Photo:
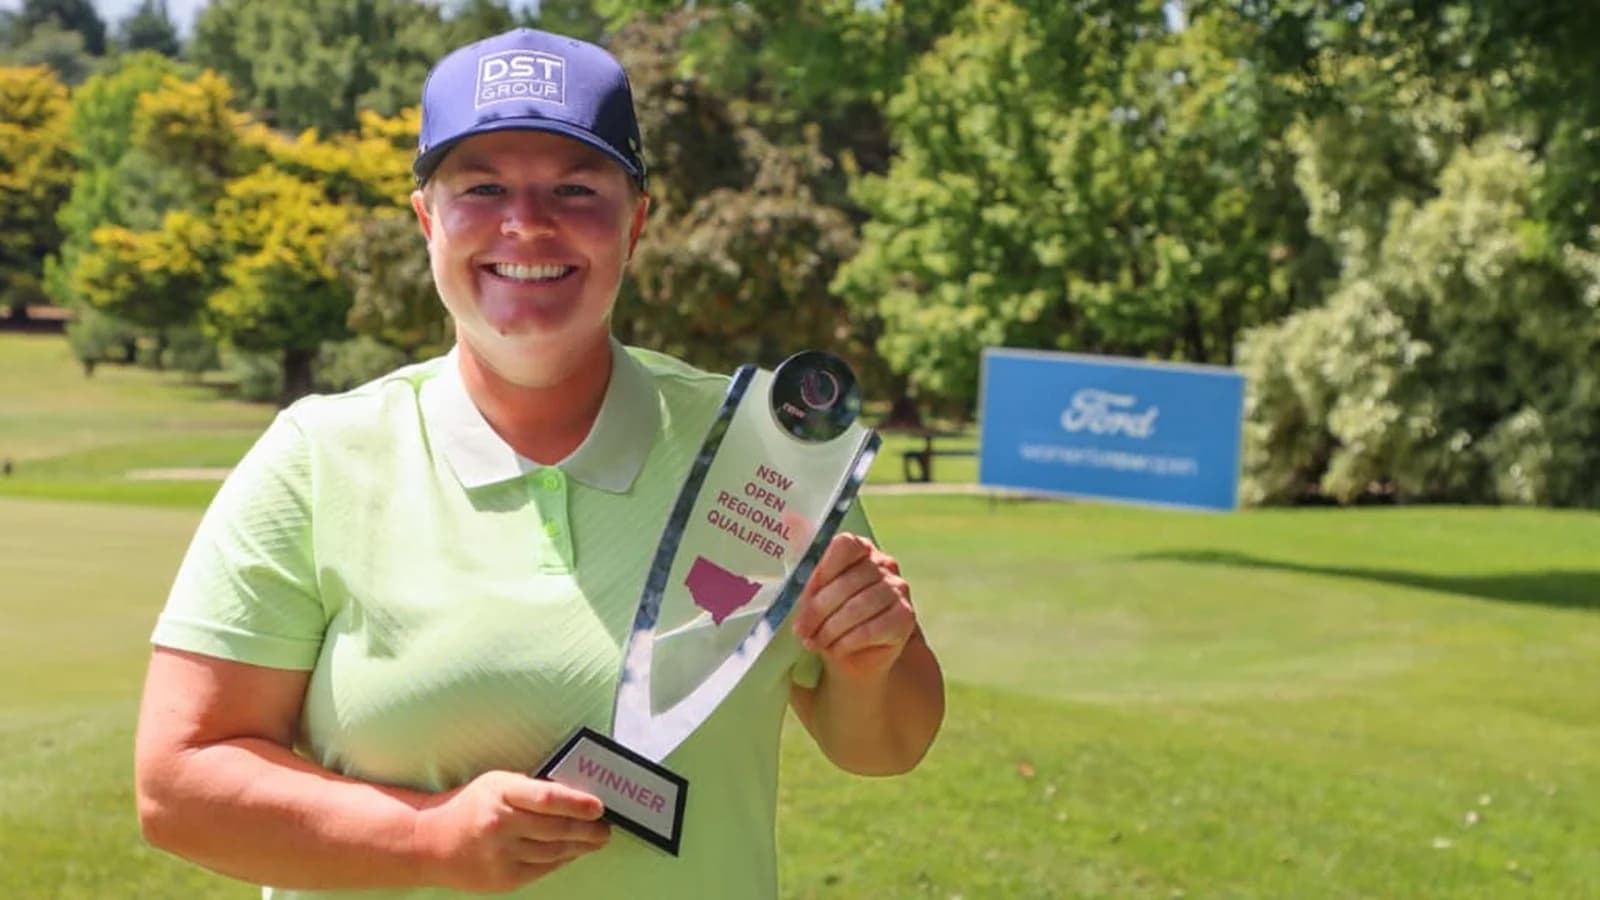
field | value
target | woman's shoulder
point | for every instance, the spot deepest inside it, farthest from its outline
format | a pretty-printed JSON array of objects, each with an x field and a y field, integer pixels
[
  {"x": 681, "y": 385},
  {"x": 385, "y": 402},
  {"x": 670, "y": 370}
]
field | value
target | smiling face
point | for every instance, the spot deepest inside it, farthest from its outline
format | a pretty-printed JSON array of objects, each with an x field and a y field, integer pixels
[{"x": 528, "y": 234}]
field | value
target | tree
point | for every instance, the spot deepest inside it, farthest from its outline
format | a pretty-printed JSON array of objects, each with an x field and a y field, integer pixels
[
  {"x": 381, "y": 259},
  {"x": 280, "y": 293},
  {"x": 108, "y": 187},
  {"x": 155, "y": 268},
  {"x": 150, "y": 27},
  {"x": 312, "y": 64},
  {"x": 581, "y": 19},
  {"x": 69, "y": 15},
  {"x": 827, "y": 68},
  {"x": 137, "y": 258},
  {"x": 370, "y": 167},
  {"x": 189, "y": 124},
  {"x": 1097, "y": 183},
  {"x": 384, "y": 261},
  {"x": 735, "y": 262},
  {"x": 156, "y": 280},
  {"x": 472, "y": 20},
  {"x": 150, "y": 143},
  {"x": 813, "y": 76},
  {"x": 1439, "y": 152},
  {"x": 1527, "y": 67},
  {"x": 821, "y": 62},
  {"x": 1458, "y": 366},
  {"x": 355, "y": 264},
  {"x": 189, "y": 216},
  {"x": 35, "y": 178},
  {"x": 51, "y": 45}
]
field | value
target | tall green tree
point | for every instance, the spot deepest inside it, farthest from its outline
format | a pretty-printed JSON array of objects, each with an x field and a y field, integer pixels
[
  {"x": 280, "y": 293},
  {"x": 813, "y": 75},
  {"x": 314, "y": 64},
  {"x": 736, "y": 259},
  {"x": 828, "y": 67},
  {"x": 35, "y": 179},
  {"x": 155, "y": 280},
  {"x": 150, "y": 27},
  {"x": 819, "y": 61},
  {"x": 1079, "y": 178},
  {"x": 69, "y": 15},
  {"x": 1530, "y": 67},
  {"x": 1440, "y": 152},
  {"x": 113, "y": 184},
  {"x": 158, "y": 274},
  {"x": 49, "y": 45}
]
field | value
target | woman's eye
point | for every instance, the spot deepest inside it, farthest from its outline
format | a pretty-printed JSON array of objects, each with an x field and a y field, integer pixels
[
  {"x": 574, "y": 190},
  {"x": 485, "y": 190}
]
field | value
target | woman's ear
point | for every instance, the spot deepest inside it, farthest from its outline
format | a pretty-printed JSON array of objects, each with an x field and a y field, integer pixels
[
  {"x": 640, "y": 212},
  {"x": 419, "y": 204}
]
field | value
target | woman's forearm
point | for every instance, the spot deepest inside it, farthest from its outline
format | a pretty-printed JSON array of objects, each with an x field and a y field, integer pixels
[
  {"x": 254, "y": 810},
  {"x": 878, "y": 727}
]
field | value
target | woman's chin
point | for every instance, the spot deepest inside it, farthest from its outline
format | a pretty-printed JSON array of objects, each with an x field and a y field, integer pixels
[
  {"x": 524, "y": 333},
  {"x": 523, "y": 321}
]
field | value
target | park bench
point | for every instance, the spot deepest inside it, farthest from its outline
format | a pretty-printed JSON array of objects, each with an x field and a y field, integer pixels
[{"x": 918, "y": 462}]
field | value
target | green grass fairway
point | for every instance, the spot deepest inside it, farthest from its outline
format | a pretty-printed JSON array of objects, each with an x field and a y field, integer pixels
[
  {"x": 78, "y": 585},
  {"x": 78, "y": 438},
  {"x": 1387, "y": 703},
  {"x": 1375, "y": 703}
]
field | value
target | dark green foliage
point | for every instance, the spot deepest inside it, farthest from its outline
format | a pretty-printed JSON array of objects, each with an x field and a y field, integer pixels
[
  {"x": 1080, "y": 180},
  {"x": 384, "y": 260},
  {"x": 315, "y": 63},
  {"x": 1442, "y": 153},
  {"x": 76, "y": 16},
  {"x": 736, "y": 259},
  {"x": 149, "y": 27}
]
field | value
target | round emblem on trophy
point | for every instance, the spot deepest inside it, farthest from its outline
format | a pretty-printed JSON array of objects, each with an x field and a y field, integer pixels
[{"x": 815, "y": 396}]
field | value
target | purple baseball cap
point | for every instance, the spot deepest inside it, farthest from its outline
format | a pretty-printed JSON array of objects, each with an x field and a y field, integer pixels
[{"x": 535, "y": 81}]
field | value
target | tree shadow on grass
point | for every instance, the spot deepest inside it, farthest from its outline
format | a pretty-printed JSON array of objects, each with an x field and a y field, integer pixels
[{"x": 1563, "y": 589}]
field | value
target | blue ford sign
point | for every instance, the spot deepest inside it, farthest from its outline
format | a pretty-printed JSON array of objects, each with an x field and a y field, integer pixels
[{"x": 1060, "y": 423}]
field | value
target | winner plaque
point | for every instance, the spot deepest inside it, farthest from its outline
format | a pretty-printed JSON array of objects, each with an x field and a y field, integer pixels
[{"x": 780, "y": 466}]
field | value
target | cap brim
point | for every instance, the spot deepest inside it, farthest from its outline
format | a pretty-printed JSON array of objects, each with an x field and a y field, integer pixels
[{"x": 425, "y": 163}]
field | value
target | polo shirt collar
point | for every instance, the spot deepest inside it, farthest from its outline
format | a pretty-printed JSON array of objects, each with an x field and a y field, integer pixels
[{"x": 610, "y": 457}]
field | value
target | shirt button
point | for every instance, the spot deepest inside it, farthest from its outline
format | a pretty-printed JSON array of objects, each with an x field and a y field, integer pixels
[
  {"x": 552, "y": 529},
  {"x": 550, "y": 480}
]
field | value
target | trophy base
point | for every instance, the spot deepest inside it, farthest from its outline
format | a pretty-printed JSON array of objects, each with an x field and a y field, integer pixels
[{"x": 640, "y": 796}]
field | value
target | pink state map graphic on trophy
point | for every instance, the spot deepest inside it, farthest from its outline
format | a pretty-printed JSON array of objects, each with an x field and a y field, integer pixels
[{"x": 718, "y": 591}]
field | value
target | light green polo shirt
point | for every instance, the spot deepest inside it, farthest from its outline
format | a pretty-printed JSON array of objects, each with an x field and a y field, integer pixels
[{"x": 463, "y": 609}]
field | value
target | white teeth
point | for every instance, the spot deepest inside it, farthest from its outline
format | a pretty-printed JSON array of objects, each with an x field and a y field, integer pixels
[{"x": 529, "y": 273}]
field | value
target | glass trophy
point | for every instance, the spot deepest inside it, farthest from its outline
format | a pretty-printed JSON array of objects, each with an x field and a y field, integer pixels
[{"x": 780, "y": 466}]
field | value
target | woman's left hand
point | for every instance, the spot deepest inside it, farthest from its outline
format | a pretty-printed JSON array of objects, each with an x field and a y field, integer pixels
[{"x": 856, "y": 612}]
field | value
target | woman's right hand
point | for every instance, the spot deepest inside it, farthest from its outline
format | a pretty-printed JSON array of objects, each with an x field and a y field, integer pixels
[{"x": 504, "y": 829}]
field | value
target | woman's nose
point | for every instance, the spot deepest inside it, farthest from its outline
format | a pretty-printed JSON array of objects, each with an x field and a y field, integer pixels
[{"x": 528, "y": 215}]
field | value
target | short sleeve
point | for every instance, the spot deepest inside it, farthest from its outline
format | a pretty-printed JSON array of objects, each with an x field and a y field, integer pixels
[
  {"x": 807, "y": 670},
  {"x": 246, "y": 589}
]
